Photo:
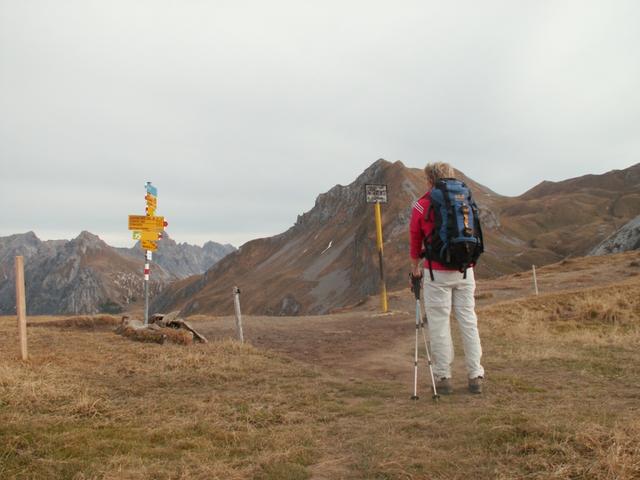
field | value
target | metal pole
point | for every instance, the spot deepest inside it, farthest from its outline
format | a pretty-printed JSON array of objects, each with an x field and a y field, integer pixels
[
  {"x": 147, "y": 260},
  {"x": 423, "y": 325},
  {"x": 535, "y": 280},
  {"x": 236, "y": 304},
  {"x": 415, "y": 357},
  {"x": 380, "y": 245},
  {"x": 21, "y": 307},
  {"x": 416, "y": 287}
]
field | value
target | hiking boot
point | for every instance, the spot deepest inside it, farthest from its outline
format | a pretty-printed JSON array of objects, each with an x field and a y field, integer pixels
[
  {"x": 443, "y": 386},
  {"x": 475, "y": 385}
]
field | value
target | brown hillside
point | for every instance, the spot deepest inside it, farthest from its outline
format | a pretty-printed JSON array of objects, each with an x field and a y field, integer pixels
[
  {"x": 569, "y": 218},
  {"x": 328, "y": 259}
]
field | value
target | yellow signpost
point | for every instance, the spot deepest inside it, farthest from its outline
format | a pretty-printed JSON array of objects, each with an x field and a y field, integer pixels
[
  {"x": 377, "y": 194},
  {"x": 380, "y": 244},
  {"x": 142, "y": 223},
  {"x": 152, "y": 236},
  {"x": 148, "y": 229},
  {"x": 149, "y": 245}
]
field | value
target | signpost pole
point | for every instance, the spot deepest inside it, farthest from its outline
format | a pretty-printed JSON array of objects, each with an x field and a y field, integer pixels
[
  {"x": 383, "y": 286},
  {"x": 147, "y": 259},
  {"x": 148, "y": 229},
  {"x": 377, "y": 194}
]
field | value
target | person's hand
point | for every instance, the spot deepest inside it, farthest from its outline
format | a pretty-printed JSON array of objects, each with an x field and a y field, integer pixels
[{"x": 417, "y": 271}]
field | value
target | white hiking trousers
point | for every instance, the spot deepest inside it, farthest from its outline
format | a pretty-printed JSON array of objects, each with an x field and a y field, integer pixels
[{"x": 450, "y": 288}]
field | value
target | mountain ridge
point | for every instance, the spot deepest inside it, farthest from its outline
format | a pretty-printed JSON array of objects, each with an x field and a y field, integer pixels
[
  {"x": 328, "y": 259},
  {"x": 79, "y": 276}
]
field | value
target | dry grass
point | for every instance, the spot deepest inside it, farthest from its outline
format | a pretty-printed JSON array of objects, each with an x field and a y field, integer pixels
[
  {"x": 561, "y": 402},
  {"x": 160, "y": 335},
  {"x": 83, "y": 321}
]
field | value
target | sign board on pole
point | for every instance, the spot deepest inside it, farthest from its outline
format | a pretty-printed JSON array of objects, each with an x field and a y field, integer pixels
[
  {"x": 375, "y": 193},
  {"x": 149, "y": 245},
  {"x": 151, "y": 189},
  {"x": 152, "y": 202},
  {"x": 144, "y": 223},
  {"x": 149, "y": 236}
]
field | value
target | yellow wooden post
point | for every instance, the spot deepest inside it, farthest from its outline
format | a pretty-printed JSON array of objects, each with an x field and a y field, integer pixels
[
  {"x": 380, "y": 244},
  {"x": 21, "y": 307}
]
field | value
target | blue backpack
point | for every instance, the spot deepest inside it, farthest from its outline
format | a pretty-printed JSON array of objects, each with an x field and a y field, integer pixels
[{"x": 456, "y": 240}]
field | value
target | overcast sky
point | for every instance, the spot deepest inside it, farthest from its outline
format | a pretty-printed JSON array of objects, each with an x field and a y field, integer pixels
[{"x": 241, "y": 113}]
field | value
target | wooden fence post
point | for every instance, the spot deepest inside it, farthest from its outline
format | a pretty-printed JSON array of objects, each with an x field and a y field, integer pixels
[{"x": 21, "y": 307}]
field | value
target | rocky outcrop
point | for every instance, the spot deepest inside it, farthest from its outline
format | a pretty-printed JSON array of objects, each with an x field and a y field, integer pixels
[
  {"x": 182, "y": 259},
  {"x": 625, "y": 239}
]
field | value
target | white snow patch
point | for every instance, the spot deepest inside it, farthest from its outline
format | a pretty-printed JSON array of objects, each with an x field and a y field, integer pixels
[{"x": 328, "y": 247}]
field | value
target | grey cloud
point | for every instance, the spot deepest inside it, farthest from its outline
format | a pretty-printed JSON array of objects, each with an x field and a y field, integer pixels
[{"x": 242, "y": 112}]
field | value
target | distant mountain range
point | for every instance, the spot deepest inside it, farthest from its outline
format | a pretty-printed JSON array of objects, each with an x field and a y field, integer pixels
[
  {"x": 182, "y": 259},
  {"x": 85, "y": 275},
  {"x": 328, "y": 259}
]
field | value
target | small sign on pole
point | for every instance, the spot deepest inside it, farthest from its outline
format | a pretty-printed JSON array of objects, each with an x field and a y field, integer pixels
[
  {"x": 21, "y": 306},
  {"x": 377, "y": 194}
]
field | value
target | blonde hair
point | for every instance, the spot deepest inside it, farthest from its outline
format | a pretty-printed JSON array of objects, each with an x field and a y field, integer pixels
[{"x": 436, "y": 171}]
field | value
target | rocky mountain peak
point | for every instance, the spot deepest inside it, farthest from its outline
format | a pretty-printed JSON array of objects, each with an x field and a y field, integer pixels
[
  {"x": 25, "y": 244},
  {"x": 344, "y": 200},
  {"x": 28, "y": 238},
  {"x": 85, "y": 242},
  {"x": 183, "y": 259}
]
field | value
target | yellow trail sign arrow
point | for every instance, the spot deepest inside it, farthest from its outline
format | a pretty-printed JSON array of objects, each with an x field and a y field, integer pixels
[
  {"x": 149, "y": 245},
  {"x": 152, "y": 202},
  {"x": 142, "y": 223},
  {"x": 151, "y": 236}
]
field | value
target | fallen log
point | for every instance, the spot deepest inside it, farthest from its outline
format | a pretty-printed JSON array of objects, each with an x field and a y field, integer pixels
[
  {"x": 172, "y": 320},
  {"x": 153, "y": 333}
]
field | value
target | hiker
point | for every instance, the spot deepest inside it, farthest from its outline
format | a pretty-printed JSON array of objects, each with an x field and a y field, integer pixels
[{"x": 445, "y": 284}]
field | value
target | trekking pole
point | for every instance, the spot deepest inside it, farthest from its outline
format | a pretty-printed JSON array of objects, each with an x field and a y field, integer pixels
[
  {"x": 435, "y": 395},
  {"x": 415, "y": 357},
  {"x": 421, "y": 321}
]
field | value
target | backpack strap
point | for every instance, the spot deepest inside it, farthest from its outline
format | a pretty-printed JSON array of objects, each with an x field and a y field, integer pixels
[
  {"x": 427, "y": 255},
  {"x": 427, "y": 241},
  {"x": 476, "y": 214}
]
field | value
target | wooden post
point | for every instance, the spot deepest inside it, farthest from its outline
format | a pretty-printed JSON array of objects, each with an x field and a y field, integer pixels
[
  {"x": 21, "y": 307},
  {"x": 380, "y": 244},
  {"x": 535, "y": 280},
  {"x": 236, "y": 303}
]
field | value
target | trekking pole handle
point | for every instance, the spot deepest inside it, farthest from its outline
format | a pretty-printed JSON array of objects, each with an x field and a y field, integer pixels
[{"x": 416, "y": 285}]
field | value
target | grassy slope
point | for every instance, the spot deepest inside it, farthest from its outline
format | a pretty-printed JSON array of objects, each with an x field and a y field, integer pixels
[{"x": 561, "y": 402}]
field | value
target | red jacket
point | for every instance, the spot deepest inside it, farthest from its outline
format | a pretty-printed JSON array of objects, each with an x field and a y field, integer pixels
[{"x": 420, "y": 227}]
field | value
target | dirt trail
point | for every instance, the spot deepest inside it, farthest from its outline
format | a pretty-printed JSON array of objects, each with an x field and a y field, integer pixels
[
  {"x": 343, "y": 342},
  {"x": 365, "y": 343}
]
